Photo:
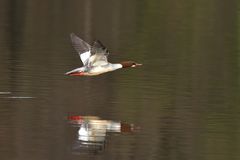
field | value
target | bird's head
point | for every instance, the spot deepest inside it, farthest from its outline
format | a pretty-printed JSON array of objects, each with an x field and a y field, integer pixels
[{"x": 126, "y": 64}]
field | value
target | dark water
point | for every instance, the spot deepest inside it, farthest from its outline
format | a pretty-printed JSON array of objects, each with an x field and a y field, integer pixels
[{"x": 184, "y": 100}]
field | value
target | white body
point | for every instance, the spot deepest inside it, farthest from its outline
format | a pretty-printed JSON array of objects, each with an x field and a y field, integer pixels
[
  {"x": 97, "y": 66},
  {"x": 103, "y": 69}
]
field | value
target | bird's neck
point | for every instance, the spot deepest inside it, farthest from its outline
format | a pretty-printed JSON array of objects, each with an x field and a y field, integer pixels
[{"x": 116, "y": 66}]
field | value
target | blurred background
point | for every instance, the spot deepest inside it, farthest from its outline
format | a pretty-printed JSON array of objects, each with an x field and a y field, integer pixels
[{"x": 184, "y": 99}]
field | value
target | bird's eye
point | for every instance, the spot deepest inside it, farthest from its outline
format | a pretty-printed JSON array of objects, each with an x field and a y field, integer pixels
[{"x": 133, "y": 64}]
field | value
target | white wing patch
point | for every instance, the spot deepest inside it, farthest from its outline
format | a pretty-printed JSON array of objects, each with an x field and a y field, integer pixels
[{"x": 85, "y": 56}]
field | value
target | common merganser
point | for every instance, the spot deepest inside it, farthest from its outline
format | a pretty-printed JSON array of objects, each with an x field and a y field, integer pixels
[
  {"x": 94, "y": 59},
  {"x": 96, "y": 123}
]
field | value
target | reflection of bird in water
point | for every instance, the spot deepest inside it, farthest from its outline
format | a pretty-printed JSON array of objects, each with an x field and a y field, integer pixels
[
  {"x": 94, "y": 59},
  {"x": 92, "y": 130},
  {"x": 94, "y": 122}
]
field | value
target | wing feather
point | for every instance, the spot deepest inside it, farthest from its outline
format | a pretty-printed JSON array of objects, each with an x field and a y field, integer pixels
[
  {"x": 95, "y": 55},
  {"x": 99, "y": 48},
  {"x": 82, "y": 47},
  {"x": 99, "y": 54}
]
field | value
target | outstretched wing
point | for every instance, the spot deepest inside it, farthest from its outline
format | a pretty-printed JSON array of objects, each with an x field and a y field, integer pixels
[
  {"x": 82, "y": 47},
  {"x": 99, "y": 54}
]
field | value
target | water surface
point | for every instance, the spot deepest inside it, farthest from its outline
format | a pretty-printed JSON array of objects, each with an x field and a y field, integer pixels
[{"x": 184, "y": 99}]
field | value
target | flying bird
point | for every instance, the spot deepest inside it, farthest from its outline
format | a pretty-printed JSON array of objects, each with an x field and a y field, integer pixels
[{"x": 94, "y": 59}]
